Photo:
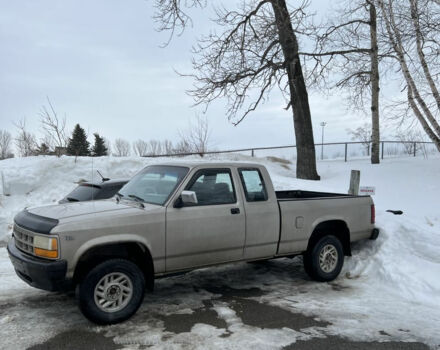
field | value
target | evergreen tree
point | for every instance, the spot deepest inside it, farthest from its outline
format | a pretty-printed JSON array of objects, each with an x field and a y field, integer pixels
[
  {"x": 43, "y": 149},
  {"x": 99, "y": 149},
  {"x": 78, "y": 144}
]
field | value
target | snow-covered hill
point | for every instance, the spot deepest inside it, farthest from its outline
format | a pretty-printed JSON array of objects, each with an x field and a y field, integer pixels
[{"x": 389, "y": 289}]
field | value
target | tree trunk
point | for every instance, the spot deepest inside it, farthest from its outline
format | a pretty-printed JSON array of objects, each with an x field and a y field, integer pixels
[
  {"x": 375, "y": 132},
  {"x": 434, "y": 138},
  {"x": 419, "y": 43},
  {"x": 299, "y": 101},
  {"x": 396, "y": 42}
]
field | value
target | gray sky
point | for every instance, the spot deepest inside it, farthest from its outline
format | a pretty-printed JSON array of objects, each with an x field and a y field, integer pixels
[{"x": 101, "y": 64}]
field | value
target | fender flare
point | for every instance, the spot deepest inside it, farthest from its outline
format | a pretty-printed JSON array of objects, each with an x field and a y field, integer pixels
[{"x": 108, "y": 239}]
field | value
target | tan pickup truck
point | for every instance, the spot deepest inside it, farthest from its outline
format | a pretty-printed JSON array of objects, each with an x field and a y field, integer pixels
[{"x": 175, "y": 217}]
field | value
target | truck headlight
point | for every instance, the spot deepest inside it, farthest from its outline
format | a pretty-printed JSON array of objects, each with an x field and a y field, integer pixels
[{"x": 46, "y": 247}]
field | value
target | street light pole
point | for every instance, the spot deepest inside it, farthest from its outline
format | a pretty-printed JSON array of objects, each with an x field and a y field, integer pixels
[{"x": 323, "y": 124}]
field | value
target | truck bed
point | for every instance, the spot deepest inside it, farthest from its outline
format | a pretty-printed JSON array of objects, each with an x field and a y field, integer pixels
[
  {"x": 302, "y": 211},
  {"x": 292, "y": 195}
]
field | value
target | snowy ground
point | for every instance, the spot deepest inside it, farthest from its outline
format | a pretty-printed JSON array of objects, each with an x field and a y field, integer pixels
[{"x": 388, "y": 291}]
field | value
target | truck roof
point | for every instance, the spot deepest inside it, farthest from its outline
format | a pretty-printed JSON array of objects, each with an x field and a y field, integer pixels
[{"x": 195, "y": 163}]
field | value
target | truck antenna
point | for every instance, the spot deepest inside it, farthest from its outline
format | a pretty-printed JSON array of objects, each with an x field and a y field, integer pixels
[{"x": 104, "y": 179}]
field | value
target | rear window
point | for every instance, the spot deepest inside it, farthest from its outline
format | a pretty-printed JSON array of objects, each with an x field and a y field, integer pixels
[
  {"x": 108, "y": 192},
  {"x": 84, "y": 193},
  {"x": 253, "y": 184}
]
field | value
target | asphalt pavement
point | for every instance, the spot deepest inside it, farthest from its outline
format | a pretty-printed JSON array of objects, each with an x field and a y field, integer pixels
[{"x": 251, "y": 312}]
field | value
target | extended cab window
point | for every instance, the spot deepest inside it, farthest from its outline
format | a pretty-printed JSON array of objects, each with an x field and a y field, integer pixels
[
  {"x": 253, "y": 185},
  {"x": 213, "y": 186}
]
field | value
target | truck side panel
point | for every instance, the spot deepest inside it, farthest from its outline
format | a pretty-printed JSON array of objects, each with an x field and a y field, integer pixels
[
  {"x": 300, "y": 217},
  {"x": 262, "y": 220}
]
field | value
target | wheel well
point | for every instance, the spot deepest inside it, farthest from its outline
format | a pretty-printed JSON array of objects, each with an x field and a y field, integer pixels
[
  {"x": 337, "y": 228},
  {"x": 132, "y": 251}
]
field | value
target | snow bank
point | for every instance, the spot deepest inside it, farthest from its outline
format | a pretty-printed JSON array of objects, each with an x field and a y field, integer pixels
[
  {"x": 44, "y": 180},
  {"x": 388, "y": 290}
]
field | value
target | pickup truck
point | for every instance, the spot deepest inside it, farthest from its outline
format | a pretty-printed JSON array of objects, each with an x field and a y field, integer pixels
[{"x": 175, "y": 217}]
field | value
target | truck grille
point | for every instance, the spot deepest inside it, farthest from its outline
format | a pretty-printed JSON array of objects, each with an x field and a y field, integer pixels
[{"x": 24, "y": 239}]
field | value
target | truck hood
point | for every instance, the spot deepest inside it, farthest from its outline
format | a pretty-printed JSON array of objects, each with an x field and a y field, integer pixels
[
  {"x": 67, "y": 210},
  {"x": 43, "y": 219}
]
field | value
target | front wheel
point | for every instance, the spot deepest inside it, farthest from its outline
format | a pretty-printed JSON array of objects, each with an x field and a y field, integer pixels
[
  {"x": 112, "y": 291},
  {"x": 323, "y": 262}
]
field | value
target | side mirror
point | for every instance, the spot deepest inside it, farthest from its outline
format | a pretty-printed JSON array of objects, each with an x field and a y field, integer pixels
[{"x": 189, "y": 197}]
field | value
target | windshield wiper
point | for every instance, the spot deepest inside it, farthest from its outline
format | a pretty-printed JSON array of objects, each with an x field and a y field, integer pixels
[
  {"x": 138, "y": 199},
  {"x": 119, "y": 196},
  {"x": 70, "y": 199}
]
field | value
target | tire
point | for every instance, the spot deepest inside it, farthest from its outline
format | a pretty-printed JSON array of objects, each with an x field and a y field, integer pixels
[
  {"x": 111, "y": 292},
  {"x": 323, "y": 262}
]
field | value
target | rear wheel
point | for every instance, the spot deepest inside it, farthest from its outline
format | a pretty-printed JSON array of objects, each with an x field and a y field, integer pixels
[
  {"x": 323, "y": 262},
  {"x": 112, "y": 291}
]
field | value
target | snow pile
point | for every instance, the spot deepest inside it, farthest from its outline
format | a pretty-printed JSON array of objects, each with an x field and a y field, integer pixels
[
  {"x": 388, "y": 290},
  {"x": 42, "y": 180}
]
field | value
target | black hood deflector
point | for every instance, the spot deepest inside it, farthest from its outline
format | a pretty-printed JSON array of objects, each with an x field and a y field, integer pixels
[{"x": 35, "y": 223}]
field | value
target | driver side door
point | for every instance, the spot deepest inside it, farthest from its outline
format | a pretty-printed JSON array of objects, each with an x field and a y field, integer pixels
[{"x": 211, "y": 231}]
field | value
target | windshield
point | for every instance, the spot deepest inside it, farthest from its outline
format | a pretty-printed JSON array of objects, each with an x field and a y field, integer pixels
[{"x": 154, "y": 184}]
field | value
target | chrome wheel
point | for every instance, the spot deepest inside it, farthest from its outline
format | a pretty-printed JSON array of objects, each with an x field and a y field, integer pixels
[
  {"x": 113, "y": 292},
  {"x": 328, "y": 258}
]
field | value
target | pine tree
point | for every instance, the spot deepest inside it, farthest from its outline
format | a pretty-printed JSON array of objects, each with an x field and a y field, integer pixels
[
  {"x": 78, "y": 144},
  {"x": 99, "y": 149},
  {"x": 43, "y": 149}
]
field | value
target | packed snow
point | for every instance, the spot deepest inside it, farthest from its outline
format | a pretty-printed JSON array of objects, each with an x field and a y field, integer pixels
[{"x": 388, "y": 290}]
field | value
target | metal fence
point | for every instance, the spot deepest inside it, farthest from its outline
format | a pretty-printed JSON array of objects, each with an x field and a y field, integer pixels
[{"x": 330, "y": 150}]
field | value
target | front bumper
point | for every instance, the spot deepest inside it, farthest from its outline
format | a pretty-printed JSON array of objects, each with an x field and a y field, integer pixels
[{"x": 39, "y": 273}]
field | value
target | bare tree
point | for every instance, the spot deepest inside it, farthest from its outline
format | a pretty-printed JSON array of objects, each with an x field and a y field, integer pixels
[
  {"x": 182, "y": 146},
  {"x": 413, "y": 34},
  {"x": 256, "y": 51},
  {"x": 171, "y": 15},
  {"x": 25, "y": 141},
  {"x": 121, "y": 148},
  {"x": 410, "y": 139},
  {"x": 154, "y": 148},
  {"x": 5, "y": 144},
  {"x": 196, "y": 138},
  {"x": 54, "y": 128},
  {"x": 140, "y": 148},
  {"x": 348, "y": 48},
  {"x": 363, "y": 135},
  {"x": 167, "y": 147}
]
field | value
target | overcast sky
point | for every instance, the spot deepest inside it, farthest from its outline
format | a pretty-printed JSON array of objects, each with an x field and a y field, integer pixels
[{"x": 101, "y": 64}]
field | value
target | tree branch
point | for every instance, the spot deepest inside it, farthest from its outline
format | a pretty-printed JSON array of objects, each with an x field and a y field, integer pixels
[{"x": 336, "y": 52}]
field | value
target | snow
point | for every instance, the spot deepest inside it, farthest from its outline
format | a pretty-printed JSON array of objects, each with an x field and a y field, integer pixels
[{"x": 388, "y": 290}]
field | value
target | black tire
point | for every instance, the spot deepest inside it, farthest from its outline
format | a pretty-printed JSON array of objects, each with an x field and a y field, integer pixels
[
  {"x": 312, "y": 264},
  {"x": 86, "y": 291}
]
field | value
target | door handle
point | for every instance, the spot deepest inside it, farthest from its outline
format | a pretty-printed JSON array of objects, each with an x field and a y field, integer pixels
[{"x": 235, "y": 211}]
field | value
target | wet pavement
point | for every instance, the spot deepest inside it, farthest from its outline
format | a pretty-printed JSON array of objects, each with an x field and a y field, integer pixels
[{"x": 252, "y": 313}]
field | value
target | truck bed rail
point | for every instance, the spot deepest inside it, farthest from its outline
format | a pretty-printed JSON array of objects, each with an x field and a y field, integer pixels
[{"x": 300, "y": 195}]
